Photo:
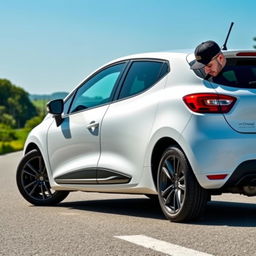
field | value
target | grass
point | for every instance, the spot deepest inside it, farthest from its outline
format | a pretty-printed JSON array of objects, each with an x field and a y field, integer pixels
[{"x": 14, "y": 145}]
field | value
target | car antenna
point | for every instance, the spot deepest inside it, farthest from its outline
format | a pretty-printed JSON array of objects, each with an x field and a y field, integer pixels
[{"x": 224, "y": 47}]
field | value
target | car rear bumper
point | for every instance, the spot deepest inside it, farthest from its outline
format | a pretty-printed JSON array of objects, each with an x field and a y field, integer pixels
[{"x": 213, "y": 148}]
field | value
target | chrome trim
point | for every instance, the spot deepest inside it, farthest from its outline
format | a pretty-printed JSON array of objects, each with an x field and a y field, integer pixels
[
  {"x": 104, "y": 176},
  {"x": 76, "y": 181},
  {"x": 113, "y": 180}
]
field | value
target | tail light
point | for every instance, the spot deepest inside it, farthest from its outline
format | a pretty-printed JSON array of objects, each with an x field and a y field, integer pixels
[
  {"x": 209, "y": 102},
  {"x": 217, "y": 177},
  {"x": 246, "y": 54}
]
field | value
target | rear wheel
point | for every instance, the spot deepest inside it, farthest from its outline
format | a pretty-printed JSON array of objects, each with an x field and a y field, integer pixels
[
  {"x": 181, "y": 197},
  {"x": 33, "y": 182}
]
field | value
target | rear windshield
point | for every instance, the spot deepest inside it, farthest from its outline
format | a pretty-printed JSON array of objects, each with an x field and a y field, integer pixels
[{"x": 238, "y": 72}]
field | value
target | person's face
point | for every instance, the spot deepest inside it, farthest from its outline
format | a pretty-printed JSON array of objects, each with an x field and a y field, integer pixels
[{"x": 214, "y": 67}]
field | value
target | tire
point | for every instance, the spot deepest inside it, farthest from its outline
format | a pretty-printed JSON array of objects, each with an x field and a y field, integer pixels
[
  {"x": 180, "y": 196},
  {"x": 33, "y": 182}
]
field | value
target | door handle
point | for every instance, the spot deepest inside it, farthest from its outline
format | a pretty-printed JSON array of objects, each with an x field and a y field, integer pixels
[{"x": 93, "y": 125}]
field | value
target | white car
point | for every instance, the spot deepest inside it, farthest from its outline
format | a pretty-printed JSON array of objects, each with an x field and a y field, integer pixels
[{"x": 148, "y": 124}]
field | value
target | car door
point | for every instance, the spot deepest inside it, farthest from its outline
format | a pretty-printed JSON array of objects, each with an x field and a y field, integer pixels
[
  {"x": 128, "y": 122},
  {"x": 74, "y": 146}
]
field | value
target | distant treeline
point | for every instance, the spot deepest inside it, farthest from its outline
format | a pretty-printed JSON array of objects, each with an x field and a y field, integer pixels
[
  {"x": 15, "y": 105},
  {"x": 53, "y": 96}
]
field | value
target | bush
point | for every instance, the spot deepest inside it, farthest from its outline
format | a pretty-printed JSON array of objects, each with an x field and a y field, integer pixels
[
  {"x": 6, "y": 148},
  {"x": 13, "y": 145},
  {"x": 16, "y": 145},
  {"x": 30, "y": 124},
  {"x": 21, "y": 134},
  {"x": 6, "y": 133}
]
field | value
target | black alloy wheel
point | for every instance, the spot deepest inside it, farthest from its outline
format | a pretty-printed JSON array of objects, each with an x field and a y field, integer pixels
[
  {"x": 33, "y": 182},
  {"x": 180, "y": 196}
]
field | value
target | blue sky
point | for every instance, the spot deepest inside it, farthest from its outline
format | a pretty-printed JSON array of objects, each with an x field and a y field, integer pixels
[{"x": 51, "y": 45}]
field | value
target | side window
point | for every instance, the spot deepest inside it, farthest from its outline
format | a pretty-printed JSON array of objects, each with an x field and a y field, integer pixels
[
  {"x": 141, "y": 76},
  {"x": 97, "y": 90}
]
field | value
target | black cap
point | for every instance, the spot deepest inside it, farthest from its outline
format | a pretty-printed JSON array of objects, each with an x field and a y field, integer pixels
[{"x": 204, "y": 53}]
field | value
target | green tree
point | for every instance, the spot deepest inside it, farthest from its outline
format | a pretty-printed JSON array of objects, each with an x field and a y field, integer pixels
[
  {"x": 6, "y": 119},
  {"x": 16, "y": 102},
  {"x": 254, "y": 40}
]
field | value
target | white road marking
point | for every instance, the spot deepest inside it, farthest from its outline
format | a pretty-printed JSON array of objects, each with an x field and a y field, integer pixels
[{"x": 162, "y": 246}]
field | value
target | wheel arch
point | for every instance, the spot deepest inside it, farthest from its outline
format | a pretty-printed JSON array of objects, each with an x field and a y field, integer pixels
[
  {"x": 157, "y": 152},
  {"x": 31, "y": 146},
  {"x": 158, "y": 149},
  {"x": 35, "y": 144}
]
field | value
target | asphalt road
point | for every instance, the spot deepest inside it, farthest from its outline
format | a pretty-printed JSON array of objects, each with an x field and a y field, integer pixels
[{"x": 88, "y": 223}]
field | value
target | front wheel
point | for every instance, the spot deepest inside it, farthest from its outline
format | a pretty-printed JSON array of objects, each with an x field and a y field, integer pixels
[
  {"x": 33, "y": 182},
  {"x": 180, "y": 196}
]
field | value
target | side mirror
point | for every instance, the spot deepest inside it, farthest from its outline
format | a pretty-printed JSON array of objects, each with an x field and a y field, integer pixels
[{"x": 56, "y": 107}]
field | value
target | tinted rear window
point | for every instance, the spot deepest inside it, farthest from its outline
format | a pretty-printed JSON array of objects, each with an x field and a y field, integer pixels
[
  {"x": 238, "y": 72},
  {"x": 142, "y": 75}
]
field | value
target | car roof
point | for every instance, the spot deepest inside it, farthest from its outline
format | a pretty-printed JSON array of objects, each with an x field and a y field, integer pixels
[
  {"x": 155, "y": 55},
  {"x": 179, "y": 53}
]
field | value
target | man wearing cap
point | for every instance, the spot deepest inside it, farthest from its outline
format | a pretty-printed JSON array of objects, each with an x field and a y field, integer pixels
[{"x": 209, "y": 57}]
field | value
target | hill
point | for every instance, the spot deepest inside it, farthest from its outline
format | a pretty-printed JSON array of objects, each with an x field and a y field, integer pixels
[{"x": 48, "y": 97}]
